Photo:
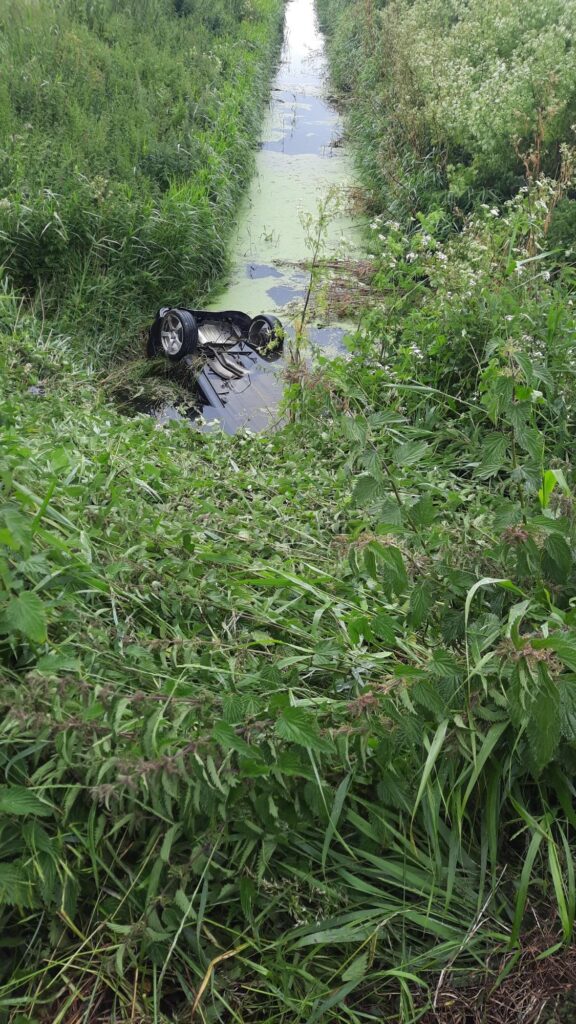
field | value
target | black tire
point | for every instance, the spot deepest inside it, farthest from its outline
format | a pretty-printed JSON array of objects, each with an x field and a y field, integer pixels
[
  {"x": 174, "y": 334},
  {"x": 153, "y": 347},
  {"x": 266, "y": 332}
]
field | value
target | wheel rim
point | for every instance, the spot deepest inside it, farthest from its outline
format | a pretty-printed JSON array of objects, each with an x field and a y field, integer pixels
[{"x": 171, "y": 334}]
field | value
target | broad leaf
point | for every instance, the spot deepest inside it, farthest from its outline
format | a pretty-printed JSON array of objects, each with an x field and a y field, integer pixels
[
  {"x": 21, "y": 801},
  {"x": 26, "y": 614},
  {"x": 300, "y": 727},
  {"x": 493, "y": 456}
]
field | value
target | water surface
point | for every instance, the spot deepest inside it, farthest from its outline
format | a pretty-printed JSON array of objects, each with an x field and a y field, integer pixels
[{"x": 299, "y": 164}]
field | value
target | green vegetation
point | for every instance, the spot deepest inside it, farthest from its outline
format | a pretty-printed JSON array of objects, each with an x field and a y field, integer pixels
[
  {"x": 454, "y": 98},
  {"x": 127, "y": 130},
  {"x": 288, "y": 726}
]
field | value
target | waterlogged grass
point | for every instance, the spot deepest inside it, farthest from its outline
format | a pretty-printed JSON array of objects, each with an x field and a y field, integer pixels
[{"x": 127, "y": 135}]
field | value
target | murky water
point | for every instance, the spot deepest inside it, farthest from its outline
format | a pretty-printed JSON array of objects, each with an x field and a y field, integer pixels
[{"x": 300, "y": 163}]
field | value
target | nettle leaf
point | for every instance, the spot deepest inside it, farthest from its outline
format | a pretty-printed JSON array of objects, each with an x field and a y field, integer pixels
[
  {"x": 15, "y": 887},
  {"x": 567, "y": 693},
  {"x": 294, "y": 763},
  {"x": 367, "y": 489},
  {"x": 354, "y": 428},
  {"x": 358, "y": 628},
  {"x": 389, "y": 514},
  {"x": 423, "y": 512},
  {"x": 183, "y": 903},
  {"x": 384, "y": 627},
  {"x": 499, "y": 397},
  {"x": 369, "y": 559},
  {"x": 484, "y": 631},
  {"x": 54, "y": 663},
  {"x": 557, "y": 553},
  {"x": 18, "y": 800},
  {"x": 421, "y": 603},
  {"x": 427, "y": 694},
  {"x": 392, "y": 564},
  {"x": 526, "y": 365},
  {"x": 444, "y": 664},
  {"x": 251, "y": 768},
  {"x": 26, "y": 614},
  {"x": 410, "y": 453},
  {"x": 544, "y": 725},
  {"x": 357, "y": 969},
  {"x": 225, "y": 735},
  {"x": 494, "y": 454},
  {"x": 370, "y": 463},
  {"x": 234, "y": 708},
  {"x": 299, "y": 726},
  {"x": 532, "y": 441},
  {"x": 17, "y": 528}
]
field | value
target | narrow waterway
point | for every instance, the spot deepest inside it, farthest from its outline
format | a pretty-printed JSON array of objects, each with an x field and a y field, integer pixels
[{"x": 300, "y": 165}]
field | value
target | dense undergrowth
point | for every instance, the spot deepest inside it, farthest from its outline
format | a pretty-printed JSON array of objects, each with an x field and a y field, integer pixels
[
  {"x": 452, "y": 102},
  {"x": 288, "y": 723},
  {"x": 127, "y": 132}
]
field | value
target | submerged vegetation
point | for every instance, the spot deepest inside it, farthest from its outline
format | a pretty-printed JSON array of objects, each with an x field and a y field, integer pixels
[{"x": 289, "y": 721}]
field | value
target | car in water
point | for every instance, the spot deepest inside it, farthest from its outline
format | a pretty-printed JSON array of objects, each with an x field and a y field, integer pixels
[{"x": 214, "y": 339}]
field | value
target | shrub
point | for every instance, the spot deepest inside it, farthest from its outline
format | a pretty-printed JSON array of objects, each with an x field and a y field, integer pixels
[{"x": 454, "y": 100}]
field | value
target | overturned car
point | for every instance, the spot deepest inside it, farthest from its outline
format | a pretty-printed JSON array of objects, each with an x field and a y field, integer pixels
[
  {"x": 215, "y": 338},
  {"x": 231, "y": 356}
]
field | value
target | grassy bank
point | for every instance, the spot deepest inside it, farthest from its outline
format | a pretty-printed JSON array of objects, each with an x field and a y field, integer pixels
[
  {"x": 127, "y": 135},
  {"x": 289, "y": 722}
]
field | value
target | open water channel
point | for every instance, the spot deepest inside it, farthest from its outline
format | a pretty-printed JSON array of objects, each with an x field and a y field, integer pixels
[{"x": 300, "y": 163}]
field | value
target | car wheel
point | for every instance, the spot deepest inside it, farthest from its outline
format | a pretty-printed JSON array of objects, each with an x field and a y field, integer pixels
[
  {"x": 266, "y": 332},
  {"x": 174, "y": 335}
]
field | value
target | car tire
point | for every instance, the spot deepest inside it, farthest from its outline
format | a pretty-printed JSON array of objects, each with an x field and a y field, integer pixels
[
  {"x": 174, "y": 335},
  {"x": 265, "y": 332}
]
